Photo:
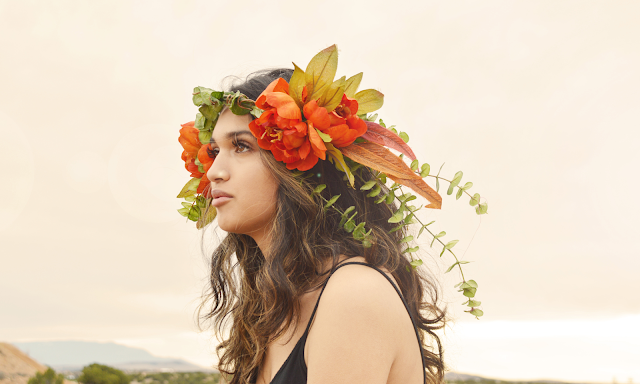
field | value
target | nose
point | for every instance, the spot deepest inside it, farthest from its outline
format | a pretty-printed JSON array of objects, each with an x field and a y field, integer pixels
[{"x": 218, "y": 171}]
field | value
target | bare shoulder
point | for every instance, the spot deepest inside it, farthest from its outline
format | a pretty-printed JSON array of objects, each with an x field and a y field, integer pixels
[{"x": 355, "y": 329}]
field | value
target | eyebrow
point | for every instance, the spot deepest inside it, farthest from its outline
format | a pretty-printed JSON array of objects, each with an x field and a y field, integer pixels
[{"x": 233, "y": 134}]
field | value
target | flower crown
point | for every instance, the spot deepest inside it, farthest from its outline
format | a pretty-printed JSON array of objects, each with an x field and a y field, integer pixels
[{"x": 312, "y": 118}]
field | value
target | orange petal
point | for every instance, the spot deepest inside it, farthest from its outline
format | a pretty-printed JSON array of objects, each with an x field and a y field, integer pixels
[
  {"x": 317, "y": 115},
  {"x": 285, "y": 105},
  {"x": 304, "y": 149},
  {"x": 304, "y": 164},
  {"x": 383, "y": 136},
  {"x": 377, "y": 157},
  {"x": 423, "y": 189},
  {"x": 316, "y": 143}
]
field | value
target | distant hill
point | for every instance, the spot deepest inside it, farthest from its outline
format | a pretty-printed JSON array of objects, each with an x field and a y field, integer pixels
[{"x": 73, "y": 355}]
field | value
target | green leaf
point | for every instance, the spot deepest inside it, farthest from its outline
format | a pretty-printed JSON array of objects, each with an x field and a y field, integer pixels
[
  {"x": 359, "y": 232},
  {"x": 349, "y": 226},
  {"x": 404, "y": 137},
  {"x": 415, "y": 263},
  {"x": 397, "y": 217},
  {"x": 459, "y": 284},
  {"x": 467, "y": 185},
  {"x": 476, "y": 312},
  {"x": 437, "y": 184},
  {"x": 439, "y": 235},
  {"x": 424, "y": 227},
  {"x": 473, "y": 303},
  {"x": 199, "y": 123},
  {"x": 332, "y": 200},
  {"x": 411, "y": 250},
  {"x": 475, "y": 200},
  {"x": 184, "y": 211},
  {"x": 381, "y": 199},
  {"x": 190, "y": 188},
  {"x": 469, "y": 292},
  {"x": 406, "y": 239},
  {"x": 425, "y": 170},
  {"x": 472, "y": 283},
  {"x": 454, "y": 182},
  {"x": 409, "y": 219},
  {"x": 326, "y": 138},
  {"x": 390, "y": 196},
  {"x": 319, "y": 188},
  {"x": 190, "y": 199},
  {"x": 204, "y": 137},
  {"x": 459, "y": 193},
  {"x": 375, "y": 192},
  {"x": 451, "y": 244},
  {"x": 481, "y": 209},
  {"x": 368, "y": 185},
  {"x": 442, "y": 252},
  {"x": 414, "y": 165},
  {"x": 451, "y": 267},
  {"x": 397, "y": 228}
]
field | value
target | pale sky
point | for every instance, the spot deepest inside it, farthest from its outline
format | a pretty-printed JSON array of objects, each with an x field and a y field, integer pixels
[{"x": 538, "y": 102}]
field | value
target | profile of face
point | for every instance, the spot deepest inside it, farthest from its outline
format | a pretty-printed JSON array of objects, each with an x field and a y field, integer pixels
[{"x": 243, "y": 188}]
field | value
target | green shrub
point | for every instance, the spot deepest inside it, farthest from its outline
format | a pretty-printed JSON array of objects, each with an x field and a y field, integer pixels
[
  {"x": 102, "y": 374},
  {"x": 48, "y": 377}
]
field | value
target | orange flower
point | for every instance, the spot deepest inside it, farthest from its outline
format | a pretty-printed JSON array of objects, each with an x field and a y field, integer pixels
[
  {"x": 191, "y": 145},
  {"x": 280, "y": 128},
  {"x": 207, "y": 161},
  {"x": 346, "y": 126}
]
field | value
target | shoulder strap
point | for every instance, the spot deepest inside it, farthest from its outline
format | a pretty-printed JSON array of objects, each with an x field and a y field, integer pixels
[{"x": 415, "y": 328}]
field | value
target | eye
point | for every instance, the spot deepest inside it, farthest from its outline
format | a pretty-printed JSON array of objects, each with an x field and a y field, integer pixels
[
  {"x": 241, "y": 146},
  {"x": 212, "y": 152}
]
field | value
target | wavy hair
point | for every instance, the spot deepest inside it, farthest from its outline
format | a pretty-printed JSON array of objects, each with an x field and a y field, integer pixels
[{"x": 255, "y": 299}]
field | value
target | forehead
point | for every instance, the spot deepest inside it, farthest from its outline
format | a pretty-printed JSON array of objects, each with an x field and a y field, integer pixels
[{"x": 229, "y": 123}]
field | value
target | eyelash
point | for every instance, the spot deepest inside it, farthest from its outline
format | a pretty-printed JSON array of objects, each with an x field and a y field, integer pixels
[{"x": 236, "y": 143}]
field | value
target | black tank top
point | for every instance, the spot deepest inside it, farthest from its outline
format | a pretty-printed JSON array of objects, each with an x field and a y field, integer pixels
[{"x": 294, "y": 369}]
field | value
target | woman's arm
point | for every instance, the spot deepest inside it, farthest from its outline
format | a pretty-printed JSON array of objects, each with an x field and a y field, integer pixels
[{"x": 359, "y": 329}]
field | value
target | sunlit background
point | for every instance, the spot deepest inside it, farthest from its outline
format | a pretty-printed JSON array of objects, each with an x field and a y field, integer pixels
[{"x": 538, "y": 102}]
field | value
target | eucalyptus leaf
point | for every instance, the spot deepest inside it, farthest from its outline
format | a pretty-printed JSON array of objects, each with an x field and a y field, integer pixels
[
  {"x": 475, "y": 200},
  {"x": 414, "y": 165},
  {"x": 469, "y": 292},
  {"x": 332, "y": 200},
  {"x": 425, "y": 170},
  {"x": 467, "y": 185},
  {"x": 368, "y": 185},
  {"x": 473, "y": 303},
  {"x": 459, "y": 193},
  {"x": 451, "y": 267},
  {"x": 319, "y": 188},
  {"x": 411, "y": 250},
  {"x": 375, "y": 191},
  {"x": 454, "y": 182},
  {"x": 451, "y": 244},
  {"x": 476, "y": 312},
  {"x": 397, "y": 217},
  {"x": 481, "y": 209},
  {"x": 404, "y": 136},
  {"x": 415, "y": 263},
  {"x": 406, "y": 239}
]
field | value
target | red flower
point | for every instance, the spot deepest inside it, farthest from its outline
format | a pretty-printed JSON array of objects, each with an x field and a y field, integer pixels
[{"x": 191, "y": 145}]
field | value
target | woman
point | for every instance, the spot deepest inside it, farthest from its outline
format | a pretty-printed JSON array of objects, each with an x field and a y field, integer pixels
[{"x": 307, "y": 298}]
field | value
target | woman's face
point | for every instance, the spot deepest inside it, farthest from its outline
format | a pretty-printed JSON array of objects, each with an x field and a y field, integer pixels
[{"x": 243, "y": 188}]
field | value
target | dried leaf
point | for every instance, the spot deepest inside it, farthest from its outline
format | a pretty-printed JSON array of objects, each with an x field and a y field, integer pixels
[
  {"x": 377, "y": 157},
  {"x": 421, "y": 188},
  {"x": 380, "y": 135}
]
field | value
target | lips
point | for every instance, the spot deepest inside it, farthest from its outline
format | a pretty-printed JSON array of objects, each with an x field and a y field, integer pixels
[
  {"x": 218, "y": 193},
  {"x": 219, "y": 197}
]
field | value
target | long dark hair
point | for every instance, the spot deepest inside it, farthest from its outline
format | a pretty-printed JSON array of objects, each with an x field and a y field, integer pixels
[{"x": 258, "y": 296}]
